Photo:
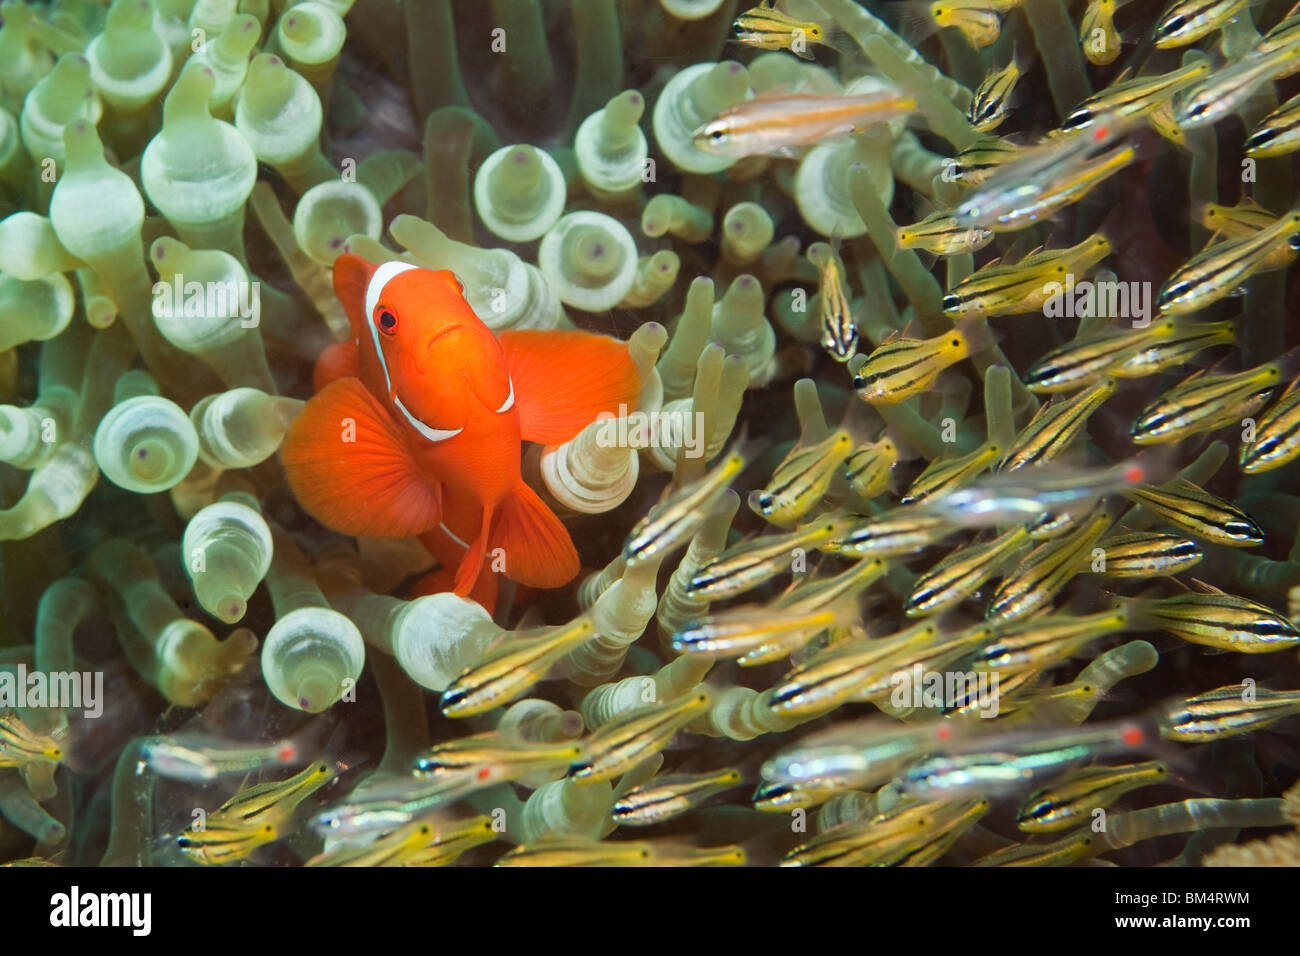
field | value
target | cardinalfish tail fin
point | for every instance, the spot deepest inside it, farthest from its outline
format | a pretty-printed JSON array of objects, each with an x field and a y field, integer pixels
[{"x": 535, "y": 548}]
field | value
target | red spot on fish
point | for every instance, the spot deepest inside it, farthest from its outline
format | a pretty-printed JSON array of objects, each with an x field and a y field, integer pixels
[
  {"x": 484, "y": 773},
  {"x": 944, "y": 733},
  {"x": 1132, "y": 735},
  {"x": 287, "y": 752},
  {"x": 1134, "y": 473}
]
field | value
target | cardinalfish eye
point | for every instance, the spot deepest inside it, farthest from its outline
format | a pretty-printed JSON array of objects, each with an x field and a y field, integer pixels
[{"x": 387, "y": 321}]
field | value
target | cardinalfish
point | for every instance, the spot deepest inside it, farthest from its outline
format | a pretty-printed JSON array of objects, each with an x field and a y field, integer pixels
[
  {"x": 1189, "y": 20},
  {"x": 198, "y": 758},
  {"x": 1026, "y": 494},
  {"x": 1097, "y": 34},
  {"x": 902, "y": 367},
  {"x": 991, "y": 102},
  {"x": 274, "y": 802},
  {"x": 1218, "y": 270},
  {"x": 779, "y": 123},
  {"x": 511, "y": 668},
  {"x": 1204, "y": 403},
  {"x": 1225, "y": 90},
  {"x": 1008, "y": 288},
  {"x": 382, "y": 807},
  {"x": 664, "y": 798},
  {"x": 1134, "y": 99},
  {"x": 1167, "y": 351},
  {"x": 672, "y": 522},
  {"x": 218, "y": 843},
  {"x": 1046, "y": 571},
  {"x": 1226, "y": 712},
  {"x": 998, "y": 764},
  {"x": 962, "y": 573},
  {"x": 21, "y": 746},
  {"x": 1277, "y": 435},
  {"x": 579, "y": 852},
  {"x": 512, "y": 758},
  {"x": 1195, "y": 511},
  {"x": 1278, "y": 133},
  {"x": 440, "y": 406},
  {"x": 764, "y": 27},
  {"x": 1083, "y": 361},
  {"x": 980, "y": 21},
  {"x": 1216, "y": 619},
  {"x": 1245, "y": 219},
  {"x": 1144, "y": 554},
  {"x": 1055, "y": 427},
  {"x": 740, "y": 631},
  {"x": 839, "y": 333},
  {"x": 947, "y": 474},
  {"x": 633, "y": 738},
  {"x": 942, "y": 234},
  {"x": 800, "y": 481},
  {"x": 974, "y": 164},
  {"x": 868, "y": 468},
  {"x": 392, "y": 849},
  {"x": 750, "y": 563},
  {"x": 1072, "y": 801},
  {"x": 856, "y": 756}
]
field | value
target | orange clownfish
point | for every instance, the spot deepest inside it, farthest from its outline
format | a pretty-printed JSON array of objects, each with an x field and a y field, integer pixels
[{"x": 416, "y": 425}]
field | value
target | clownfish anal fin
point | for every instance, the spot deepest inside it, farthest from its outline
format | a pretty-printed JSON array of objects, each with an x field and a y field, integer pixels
[
  {"x": 563, "y": 380},
  {"x": 537, "y": 549},
  {"x": 349, "y": 466},
  {"x": 340, "y": 360}
]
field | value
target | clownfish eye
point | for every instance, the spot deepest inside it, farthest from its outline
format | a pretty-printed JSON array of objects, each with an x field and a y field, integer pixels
[{"x": 387, "y": 322}]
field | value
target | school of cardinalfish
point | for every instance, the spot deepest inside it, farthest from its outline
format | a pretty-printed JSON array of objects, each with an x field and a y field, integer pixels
[{"x": 1024, "y": 565}]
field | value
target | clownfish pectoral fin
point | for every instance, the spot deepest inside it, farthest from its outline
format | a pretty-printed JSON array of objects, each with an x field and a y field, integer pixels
[
  {"x": 340, "y": 360},
  {"x": 535, "y": 548},
  {"x": 563, "y": 380},
  {"x": 348, "y": 464}
]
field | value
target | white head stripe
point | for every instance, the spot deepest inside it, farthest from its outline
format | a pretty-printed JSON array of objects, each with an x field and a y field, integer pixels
[
  {"x": 510, "y": 399},
  {"x": 383, "y": 275},
  {"x": 380, "y": 279}
]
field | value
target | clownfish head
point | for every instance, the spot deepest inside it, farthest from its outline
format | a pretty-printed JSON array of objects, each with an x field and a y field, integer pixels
[{"x": 422, "y": 345}]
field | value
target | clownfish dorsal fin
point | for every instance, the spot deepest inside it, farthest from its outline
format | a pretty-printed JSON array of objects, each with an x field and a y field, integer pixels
[
  {"x": 563, "y": 380},
  {"x": 352, "y": 276},
  {"x": 349, "y": 466}
]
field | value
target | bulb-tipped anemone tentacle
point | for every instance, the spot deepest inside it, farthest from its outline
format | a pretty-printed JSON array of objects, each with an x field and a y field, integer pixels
[
  {"x": 30, "y": 248},
  {"x": 312, "y": 655},
  {"x": 180, "y": 657},
  {"x": 504, "y": 291},
  {"x": 279, "y": 114},
  {"x": 64, "y": 95},
  {"x": 690, "y": 99},
  {"x": 242, "y": 427},
  {"x": 227, "y": 56},
  {"x": 519, "y": 193},
  {"x": 611, "y": 149},
  {"x": 590, "y": 259},
  {"x": 655, "y": 277},
  {"x": 199, "y": 170},
  {"x": 146, "y": 444},
  {"x": 226, "y": 550},
  {"x": 310, "y": 35}
]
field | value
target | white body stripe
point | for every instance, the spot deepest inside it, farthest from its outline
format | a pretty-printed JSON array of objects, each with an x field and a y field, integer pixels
[{"x": 383, "y": 275}]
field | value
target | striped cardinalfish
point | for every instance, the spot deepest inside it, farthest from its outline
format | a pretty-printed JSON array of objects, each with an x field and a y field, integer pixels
[
  {"x": 948, "y": 474},
  {"x": 781, "y": 122},
  {"x": 764, "y": 27},
  {"x": 1189, "y": 20},
  {"x": 1226, "y": 89},
  {"x": 975, "y": 163},
  {"x": 1069, "y": 849},
  {"x": 663, "y": 798},
  {"x": 391, "y": 849},
  {"x": 1195, "y": 511},
  {"x": 1277, "y": 435},
  {"x": 1205, "y": 403},
  {"x": 991, "y": 102},
  {"x": 512, "y": 667},
  {"x": 1245, "y": 219},
  {"x": 979, "y": 21},
  {"x": 1164, "y": 352},
  {"x": 579, "y": 851},
  {"x": 1055, "y": 426},
  {"x": 1072, "y": 801},
  {"x": 632, "y": 738},
  {"x": 749, "y": 629},
  {"x": 1040, "y": 642},
  {"x": 943, "y": 235},
  {"x": 902, "y": 367},
  {"x": 514, "y": 758},
  {"x": 1144, "y": 554},
  {"x": 672, "y": 522},
  {"x": 839, "y": 332},
  {"x": 1278, "y": 133},
  {"x": 1081, "y": 362},
  {"x": 878, "y": 841},
  {"x": 1135, "y": 98},
  {"x": 800, "y": 481},
  {"x": 868, "y": 468},
  {"x": 1226, "y": 712},
  {"x": 450, "y": 840},
  {"x": 901, "y": 530},
  {"x": 962, "y": 573},
  {"x": 225, "y": 842},
  {"x": 273, "y": 802},
  {"x": 1220, "y": 620},
  {"x": 21, "y": 746},
  {"x": 750, "y": 563},
  {"x": 1217, "y": 270},
  {"x": 1046, "y": 570}
]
